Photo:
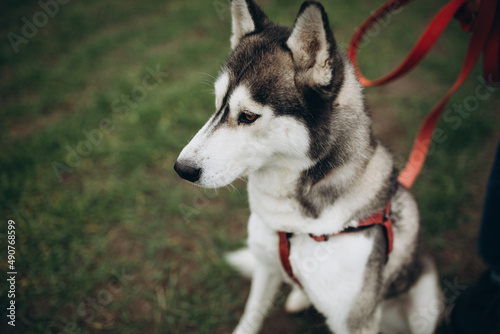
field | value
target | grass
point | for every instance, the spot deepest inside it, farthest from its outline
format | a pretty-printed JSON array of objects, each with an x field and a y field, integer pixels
[{"x": 109, "y": 240}]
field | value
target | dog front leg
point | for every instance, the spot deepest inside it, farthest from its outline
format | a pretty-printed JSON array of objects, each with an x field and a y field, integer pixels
[{"x": 265, "y": 283}]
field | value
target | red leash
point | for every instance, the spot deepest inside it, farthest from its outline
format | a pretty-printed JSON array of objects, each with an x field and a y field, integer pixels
[{"x": 485, "y": 37}]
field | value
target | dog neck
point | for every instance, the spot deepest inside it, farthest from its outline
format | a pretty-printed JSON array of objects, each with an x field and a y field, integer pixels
[
  {"x": 323, "y": 209},
  {"x": 317, "y": 185}
]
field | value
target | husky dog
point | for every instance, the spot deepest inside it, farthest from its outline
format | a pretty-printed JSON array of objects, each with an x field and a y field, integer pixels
[{"x": 291, "y": 116}]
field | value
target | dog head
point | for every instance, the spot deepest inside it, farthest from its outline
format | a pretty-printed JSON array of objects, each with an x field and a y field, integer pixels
[{"x": 273, "y": 98}]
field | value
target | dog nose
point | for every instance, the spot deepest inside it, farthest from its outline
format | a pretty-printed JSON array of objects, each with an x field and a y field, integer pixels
[{"x": 187, "y": 172}]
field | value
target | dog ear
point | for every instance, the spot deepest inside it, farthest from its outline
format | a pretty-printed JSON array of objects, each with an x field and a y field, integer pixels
[
  {"x": 247, "y": 18},
  {"x": 313, "y": 46}
]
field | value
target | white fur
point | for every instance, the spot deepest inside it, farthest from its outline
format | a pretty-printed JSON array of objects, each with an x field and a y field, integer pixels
[
  {"x": 236, "y": 151},
  {"x": 297, "y": 300},
  {"x": 221, "y": 86},
  {"x": 351, "y": 88},
  {"x": 309, "y": 25},
  {"x": 417, "y": 311},
  {"x": 243, "y": 261},
  {"x": 317, "y": 263},
  {"x": 241, "y": 100},
  {"x": 242, "y": 22},
  {"x": 283, "y": 213}
]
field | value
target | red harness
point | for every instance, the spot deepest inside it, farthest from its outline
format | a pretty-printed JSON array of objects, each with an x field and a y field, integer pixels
[{"x": 380, "y": 218}]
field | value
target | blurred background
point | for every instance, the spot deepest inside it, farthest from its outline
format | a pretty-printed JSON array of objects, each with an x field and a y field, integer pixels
[{"x": 97, "y": 100}]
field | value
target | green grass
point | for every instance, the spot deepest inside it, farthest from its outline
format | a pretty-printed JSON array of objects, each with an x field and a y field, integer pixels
[{"x": 114, "y": 242}]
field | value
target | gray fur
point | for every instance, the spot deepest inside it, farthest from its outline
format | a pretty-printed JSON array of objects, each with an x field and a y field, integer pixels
[
  {"x": 411, "y": 270},
  {"x": 299, "y": 72},
  {"x": 369, "y": 298}
]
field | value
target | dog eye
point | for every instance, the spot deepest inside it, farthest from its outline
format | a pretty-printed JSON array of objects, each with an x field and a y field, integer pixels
[{"x": 247, "y": 117}]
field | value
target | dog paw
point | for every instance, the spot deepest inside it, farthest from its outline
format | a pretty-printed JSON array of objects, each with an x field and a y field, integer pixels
[{"x": 297, "y": 301}]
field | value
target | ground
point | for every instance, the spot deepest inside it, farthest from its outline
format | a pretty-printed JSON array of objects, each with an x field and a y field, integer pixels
[{"x": 99, "y": 97}]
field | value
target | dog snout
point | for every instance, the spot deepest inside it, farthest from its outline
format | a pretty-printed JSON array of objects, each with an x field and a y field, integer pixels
[{"x": 187, "y": 171}]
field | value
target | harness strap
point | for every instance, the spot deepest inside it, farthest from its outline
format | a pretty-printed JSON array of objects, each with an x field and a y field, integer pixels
[
  {"x": 380, "y": 218},
  {"x": 284, "y": 246}
]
